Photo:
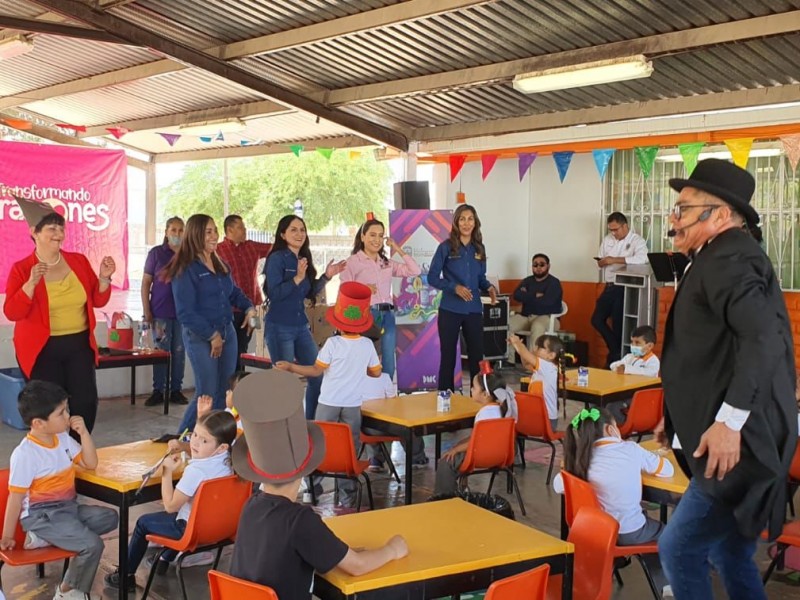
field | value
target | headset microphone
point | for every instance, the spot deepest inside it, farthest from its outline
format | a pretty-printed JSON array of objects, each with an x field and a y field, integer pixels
[{"x": 703, "y": 216}]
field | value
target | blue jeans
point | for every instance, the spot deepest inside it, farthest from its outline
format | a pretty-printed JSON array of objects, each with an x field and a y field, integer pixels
[
  {"x": 211, "y": 375},
  {"x": 167, "y": 335},
  {"x": 703, "y": 532},
  {"x": 386, "y": 320},
  {"x": 294, "y": 343},
  {"x": 159, "y": 523}
]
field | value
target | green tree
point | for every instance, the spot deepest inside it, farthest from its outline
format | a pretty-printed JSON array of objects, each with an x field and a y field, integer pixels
[{"x": 334, "y": 191}]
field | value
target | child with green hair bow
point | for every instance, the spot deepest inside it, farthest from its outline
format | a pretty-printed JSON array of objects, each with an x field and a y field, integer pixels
[{"x": 595, "y": 452}]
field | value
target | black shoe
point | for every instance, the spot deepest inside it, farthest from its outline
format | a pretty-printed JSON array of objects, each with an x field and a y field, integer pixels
[
  {"x": 155, "y": 399},
  {"x": 177, "y": 398},
  {"x": 112, "y": 581},
  {"x": 161, "y": 567}
]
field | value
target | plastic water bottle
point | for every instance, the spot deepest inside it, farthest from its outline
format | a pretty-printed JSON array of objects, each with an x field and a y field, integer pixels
[
  {"x": 145, "y": 342},
  {"x": 583, "y": 376},
  {"x": 443, "y": 401}
]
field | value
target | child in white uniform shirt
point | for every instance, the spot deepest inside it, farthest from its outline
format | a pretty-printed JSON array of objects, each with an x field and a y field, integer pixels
[
  {"x": 640, "y": 361},
  {"x": 544, "y": 368},
  {"x": 210, "y": 445}
]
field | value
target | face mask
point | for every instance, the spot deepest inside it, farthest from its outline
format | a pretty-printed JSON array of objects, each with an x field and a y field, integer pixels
[
  {"x": 174, "y": 240},
  {"x": 637, "y": 351}
]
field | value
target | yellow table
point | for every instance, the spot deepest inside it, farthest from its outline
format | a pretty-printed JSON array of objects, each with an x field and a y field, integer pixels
[
  {"x": 606, "y": 386},
  {"x": 406, "y": 416},
  {"x": 116, "y": 480},
  {"x": 676, "y": 484},
  {"x": 454, "y": 547}
]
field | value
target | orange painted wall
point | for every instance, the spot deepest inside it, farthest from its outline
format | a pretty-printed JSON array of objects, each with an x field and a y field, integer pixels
[{"x": 581, "y": 297}]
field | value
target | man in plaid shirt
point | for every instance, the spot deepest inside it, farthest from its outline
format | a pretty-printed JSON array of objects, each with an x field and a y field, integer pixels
[{"x": 242, "y": 256}]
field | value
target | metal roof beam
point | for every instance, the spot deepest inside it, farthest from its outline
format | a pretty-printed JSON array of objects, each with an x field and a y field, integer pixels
[
  {"x": 143, "y": 37},
  {"x": 616, "y": 113},
  {"x": 652, "y": 46},
  {"x": 240, "y": 111},
  {"x": 347, "y": 141},
  {"x": 51, "y": 28}
]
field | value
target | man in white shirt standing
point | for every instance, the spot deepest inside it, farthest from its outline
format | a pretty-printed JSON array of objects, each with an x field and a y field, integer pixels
[{"x": 622, "y": 246}]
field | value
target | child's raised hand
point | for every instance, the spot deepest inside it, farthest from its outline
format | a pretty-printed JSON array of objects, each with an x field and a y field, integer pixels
[
  {"x": 171, "y": 463},
  {"x": 513, "y": 339},
  {"x": 78, "y": 425},
  {"x": 204, "y": 404},
  {"x": 283, "y": 365},
  {"x": 174, "y": 446},
  {"x": 398, "y": 544}
]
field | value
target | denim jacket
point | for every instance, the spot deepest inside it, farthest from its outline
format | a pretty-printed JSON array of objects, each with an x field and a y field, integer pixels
[
  {"x": 204, "y": 300},
  {"x": 449, "y": 269},
  {"x": 286, "y": 298}
]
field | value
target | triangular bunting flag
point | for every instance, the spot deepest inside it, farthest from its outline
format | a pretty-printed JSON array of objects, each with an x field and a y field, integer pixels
[
  {"x": 18, "y": 124},
  {"x": 220, "y": 137},
  {"x": 326, "y": 152},
  {"x": 525, "y": 161},
  {"x": 791, "y": 146},
  {"x": 296, "y": 149},
  {"x": 690, "y": 152},
  {"x": 601, "y": 160},
  {"x": 456, "y": 162},
  {"x": 646, "y": 155},
  {"x": 76, "y": 128},
  {"x": 562, "y": 163},
  {"x": 117, "y": 132},
  {"x": 354, "y": 155},
  {"x": 487, "y": 164},
  {"x": 244, "y": 142},
  {"x": 206, "y": 139},
  {"x": 170, "y": 137},
  {"x": 740, "y": 150}
]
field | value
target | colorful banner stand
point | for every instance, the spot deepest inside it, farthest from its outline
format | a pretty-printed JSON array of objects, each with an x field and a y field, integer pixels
[
  {"x": 689, "y": 153},
  {"x": 740, "y": 150},
  {"x": 487, "y": 164},
  {"x": 646, "y": 156},
  {"x": 525, "y": 161},
  {"x": 601, "y": 160},
  {"x": 419, "y": 233},
  {"x": 456, "y": 162},
  {"x": 563, "y": 160},
  {"x": 791, "y": 146}
]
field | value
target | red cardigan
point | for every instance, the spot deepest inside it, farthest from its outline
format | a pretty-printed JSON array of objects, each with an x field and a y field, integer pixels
[{"x": 32, "y": 315}]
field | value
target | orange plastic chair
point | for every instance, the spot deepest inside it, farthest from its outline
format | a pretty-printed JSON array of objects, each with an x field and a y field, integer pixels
[
  {"x": 789, "y": 537},
  {"x": 209, "y": 528},
  {"x": 533, "y": 424},
  {"x": 380, "y": 441},
  {"x": 530, "y": 585},
  {"x": 227, "y": 587},
  {"x": 594, "y": 535},
  {"x": 579, "y": 494},
  {"x": 491, "y": 450},
  {"x": 340, "y": 460},
  {"x": 644, "y": 414},
  {"x": 18, "y": 556}
]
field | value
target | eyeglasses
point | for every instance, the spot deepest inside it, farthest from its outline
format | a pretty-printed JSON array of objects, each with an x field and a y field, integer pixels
[
  {"x": 678, "y": 209},
  {"x": 614, "y": 229},
  {"x": 541, "y": 264}
]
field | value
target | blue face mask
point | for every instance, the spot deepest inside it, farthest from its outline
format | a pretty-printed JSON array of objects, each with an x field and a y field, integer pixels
[
  {"x": 174, "y": 240},
  {"x": 637, "y": 351}
]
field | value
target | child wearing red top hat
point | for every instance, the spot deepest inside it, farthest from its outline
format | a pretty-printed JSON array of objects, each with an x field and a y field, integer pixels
[
  {"x": 344, "y": 362},
  {"x": 497, "y": 401}
]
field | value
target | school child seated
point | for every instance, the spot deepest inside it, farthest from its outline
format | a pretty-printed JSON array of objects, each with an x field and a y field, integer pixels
[
  {"x": 210, "y": 445},
  {"x": 595, "y": 452},
  {"x": 345, "y": 361},
  {"x": 640, "y": 361},
  {"x": 42, "y": 488},
  {"x": 543, "y": 363},
  {"x": 281, "y": 543},
  {"x": 497, "y": 401}
]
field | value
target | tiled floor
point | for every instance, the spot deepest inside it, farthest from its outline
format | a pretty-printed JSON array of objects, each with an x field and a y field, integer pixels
[{"x": 119, "y": 422}]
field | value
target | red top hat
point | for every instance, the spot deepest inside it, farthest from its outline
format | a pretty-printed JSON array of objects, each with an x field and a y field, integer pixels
[
  {"x": 486, "y": 367},
  {"x": 351, "y": 312}
]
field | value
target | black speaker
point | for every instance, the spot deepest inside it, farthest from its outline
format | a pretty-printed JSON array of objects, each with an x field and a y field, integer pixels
[{"x": 412, "y": 195}]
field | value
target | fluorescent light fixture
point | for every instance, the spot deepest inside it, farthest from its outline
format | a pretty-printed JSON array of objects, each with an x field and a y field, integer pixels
[
  {"x": 592, "y": 73},
  {"x": 15, "y": 46},
  {"x": 213, "y": 127}
]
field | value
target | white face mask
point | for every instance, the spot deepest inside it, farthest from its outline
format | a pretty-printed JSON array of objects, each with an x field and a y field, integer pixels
[
  {"x": 174, "y": 240},
  {"x": 637, "y": 351}
]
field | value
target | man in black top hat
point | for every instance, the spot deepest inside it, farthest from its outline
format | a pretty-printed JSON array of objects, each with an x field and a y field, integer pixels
[{"x": 728, "y": 375}]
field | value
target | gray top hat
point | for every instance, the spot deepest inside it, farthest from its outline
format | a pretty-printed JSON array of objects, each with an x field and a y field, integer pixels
[{"x": 33, "y": 211}]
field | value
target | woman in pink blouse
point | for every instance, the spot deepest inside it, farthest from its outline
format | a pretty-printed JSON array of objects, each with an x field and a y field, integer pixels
[{"x": 369, "y": 265}]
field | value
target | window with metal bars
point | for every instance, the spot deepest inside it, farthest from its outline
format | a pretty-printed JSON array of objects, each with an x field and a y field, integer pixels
[{"x": 647, "y": 203}]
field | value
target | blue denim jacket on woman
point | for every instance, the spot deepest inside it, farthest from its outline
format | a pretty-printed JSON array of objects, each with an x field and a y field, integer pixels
[
  {"x": 449, "y": 269},
  {"x": 204, "y": 300},
  {"x": 286, "y": 298}
]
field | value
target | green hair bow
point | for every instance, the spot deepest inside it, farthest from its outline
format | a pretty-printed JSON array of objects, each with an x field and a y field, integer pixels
[{"x": 592, "y": 414}]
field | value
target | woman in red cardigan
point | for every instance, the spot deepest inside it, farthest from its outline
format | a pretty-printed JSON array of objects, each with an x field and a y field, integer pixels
[{"x": 51, "y": 296}]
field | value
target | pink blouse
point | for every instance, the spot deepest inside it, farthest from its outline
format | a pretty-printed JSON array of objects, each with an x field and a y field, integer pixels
[{"x": 363, "y": 269}]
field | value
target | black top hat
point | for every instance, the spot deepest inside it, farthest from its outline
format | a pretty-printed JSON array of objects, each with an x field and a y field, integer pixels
[{"x": 726, "y": 181}]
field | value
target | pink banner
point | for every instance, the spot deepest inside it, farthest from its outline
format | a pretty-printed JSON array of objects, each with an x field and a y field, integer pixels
[{"x": 88, "y": 186}]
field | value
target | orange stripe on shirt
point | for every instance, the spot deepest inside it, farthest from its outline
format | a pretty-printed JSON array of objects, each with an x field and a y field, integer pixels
[
  {"x": 374, "y": 370},
  {"x": 53, "y": 488},
  {"x": 660, "y": 465},
  {"x": 321, "y": 364}
]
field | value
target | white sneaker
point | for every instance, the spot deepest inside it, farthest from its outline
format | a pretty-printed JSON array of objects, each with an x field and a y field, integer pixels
[
  {"x": 73, "y": 594},
  {"x": 33, "y": 541},
  {"x": 666, "y": 592},
  {"x": 198, "y": 560}
]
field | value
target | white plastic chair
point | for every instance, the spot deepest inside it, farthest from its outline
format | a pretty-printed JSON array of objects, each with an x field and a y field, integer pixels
[{"x": 551, "y": 329}]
